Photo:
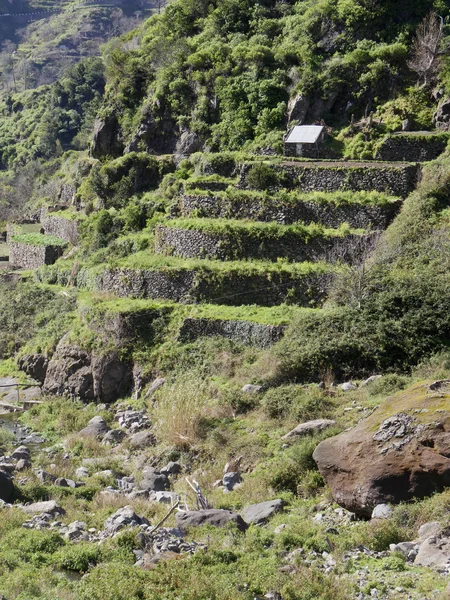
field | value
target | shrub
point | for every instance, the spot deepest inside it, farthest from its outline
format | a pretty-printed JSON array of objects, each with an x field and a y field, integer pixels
[
  {"x": 296, "y": 402},
  {"x": 262, "y": 177},
  {"x": 80, "y": 557}
]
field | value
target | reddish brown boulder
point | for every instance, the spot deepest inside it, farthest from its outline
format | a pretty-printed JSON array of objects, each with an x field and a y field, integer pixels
[{"x": 400, "y": 452}]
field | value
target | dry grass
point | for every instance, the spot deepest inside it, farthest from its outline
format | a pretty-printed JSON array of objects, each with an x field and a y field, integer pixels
[{"x": 180, "y": 410}]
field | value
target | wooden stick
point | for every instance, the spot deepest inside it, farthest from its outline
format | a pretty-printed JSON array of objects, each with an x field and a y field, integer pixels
[{"x": 165, "y": 518}]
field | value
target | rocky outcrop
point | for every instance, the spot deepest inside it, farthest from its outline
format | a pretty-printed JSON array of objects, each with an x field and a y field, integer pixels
[
  {"x": 401, "y": 452},
  {"x": 155, "y": 136},
  {"x": 260, "y": 513},
  {"x": 441, "y": 117},
  {"x": 212, "y": 517},
  {"x": 188, "y": 144},
  {"x": 34, "y": 365},
  {"x": 96, "y": 428},
  {"x": 107, "y": 139},
  {"x": 74, "y": 372}
]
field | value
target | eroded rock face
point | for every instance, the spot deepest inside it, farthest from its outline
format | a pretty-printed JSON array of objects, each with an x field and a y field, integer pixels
[
  {"x": 401, "y": 452},
  {"x": 441, "y": 117},
  {"x": 76, "y": 373},
  {"x": 107, "y": 138},
  {"x": 34, "y": 365}
]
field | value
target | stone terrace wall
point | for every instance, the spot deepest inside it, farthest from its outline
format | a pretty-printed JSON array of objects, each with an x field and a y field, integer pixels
[
  {"x": 409, "y": 147},
  {"x": 27, "y": 256},
  {"x": 193, "y": 243},
  {"x": 359, "y": 216},
  {"x": 244, "y": 332},
  {"x": 192, "y": 286},
  {"x": 66, "y": 229},
  {"x": 395, "y": 180}
]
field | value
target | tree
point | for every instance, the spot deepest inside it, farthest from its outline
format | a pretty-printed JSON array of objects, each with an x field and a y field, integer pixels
[{"x": 427, "y": 48}]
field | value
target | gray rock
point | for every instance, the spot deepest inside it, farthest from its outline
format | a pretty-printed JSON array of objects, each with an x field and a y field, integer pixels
[
  {"x": 81, "y": 473},
  {"x": 441, "y": 117},
  {"x": 165, "y": 497},
  {"x": 50, "y": 507},
  {"x": 6, "y": 487},
  {"x": 214, "y": 517},
  {"x": 34, "y": 365},
  {"x": 141, "y": 440},
  {"x": 155, "y": 385},
  {"x": 370, "y": 380},
  {"x": 21, "y": 452},
  {"x": 298, "y": 109},
  {"x": 113, "y": 377},
  {"x": 231, "y": 479},
  {"x": 75, "y": 531},
  {"x": 63, "y": 482},
  {"x": 434, "y": 552},
  {"x": 259, "y": 513},
  {"x": 155, "y": 482},
  {"x": 382, "y": 511},
  {"x": 124, "y": 517},
  {"x": 96, "y": 428},
  {"x": 114, "y": 436},
  {"x": 430, "y": 529},
  {"x": 107, "y": 137},
  {"x": 252, "y": 389},
  {"x": 172, "y": 468},
  {"x": 404, "y": 547},
  {"x": 188, "y": 144},
  {"x": 23, "y": 464},
  {"x": 45, "y": 477},
  {"x": 348, "y": 386},
  {"x": 309, "y": 427}
]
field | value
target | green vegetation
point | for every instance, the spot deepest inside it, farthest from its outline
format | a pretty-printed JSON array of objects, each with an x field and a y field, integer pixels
[{"x": 38, "y": 239}]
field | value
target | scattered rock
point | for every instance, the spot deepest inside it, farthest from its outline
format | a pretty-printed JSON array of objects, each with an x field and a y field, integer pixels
[
  {"x": 50, "y": 507},
  {"x": 165, "y": 497},
  {"x": 214, "y": 517},
  {"x": 348, "y": 386},
  {"x": 155, "y": 482},
  {"x": 96, "y": 428},
  {"x": 252, "y": 389},
  {"x": 260, "y": 513},
  {"x": 114, "y": 436},
  {"x": 172, "y": 468},
  {"x": 141, "y": 440},
  {"x": 430, "y": 529},
  {"x": 63, "y": 482},
  {"x": 382, "y": 511},
  {"x": 309, "y": 427},
  {"x": 434, "y": 552},
  {"x": 23, "y": 464},
  {"x": 124, "y": 517},
  {"x": 21, "y": 453},
  {"x": 45, "y": 477},
  {"x": 81, "y": 473},
  {"x": 231, "y": 479}
]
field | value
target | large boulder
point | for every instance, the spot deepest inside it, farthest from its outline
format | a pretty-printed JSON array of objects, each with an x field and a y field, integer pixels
[
  {"x": 74, "y": 372},
  {"x": 400, "y": 452},
  {"x": 6, "y": 487},
  {"x": 212, "y": 516},
  {"x": 34, "y": 365}
]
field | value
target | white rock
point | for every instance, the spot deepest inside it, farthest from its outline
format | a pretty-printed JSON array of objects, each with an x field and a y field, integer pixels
[
  {"x": 382, "y": 511},
  {"x": 348, "y": 386}
]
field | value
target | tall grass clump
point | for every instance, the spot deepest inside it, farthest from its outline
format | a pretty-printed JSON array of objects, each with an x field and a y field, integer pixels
[{"x": 180, "y": 411}]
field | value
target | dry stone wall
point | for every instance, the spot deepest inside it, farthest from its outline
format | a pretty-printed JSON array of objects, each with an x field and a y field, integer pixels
[
  {"x": 190, "y": 286},
  {"x": 244, "y": 332},
  {"x": 66, "y": 229},
  {"x": 27, "y": 256},
  {"x": 410, "y": 147},
  {"x": 358, "y": 216},
  {"x": 395, "y": 180},
  {"x": 239, "y": 245}
]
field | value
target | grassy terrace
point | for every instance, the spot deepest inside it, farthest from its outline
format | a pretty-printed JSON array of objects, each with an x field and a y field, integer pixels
[
  {"x": 145, "y": 261},
  {"x": 291, "y": 198},
  {"x": 259, "y": 229},
  {"x": 275, "y": 315},
  {"x": 38, "y": 239}
]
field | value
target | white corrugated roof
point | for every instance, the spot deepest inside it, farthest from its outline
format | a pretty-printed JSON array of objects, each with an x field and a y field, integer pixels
[{"x": 304, "y": 134}]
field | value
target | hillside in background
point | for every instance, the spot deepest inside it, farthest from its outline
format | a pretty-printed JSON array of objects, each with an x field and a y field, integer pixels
[{"x": 226, "y": 365}]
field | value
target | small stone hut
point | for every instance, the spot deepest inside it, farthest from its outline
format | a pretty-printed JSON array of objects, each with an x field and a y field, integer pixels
[{"x": 304, "y": 140}]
